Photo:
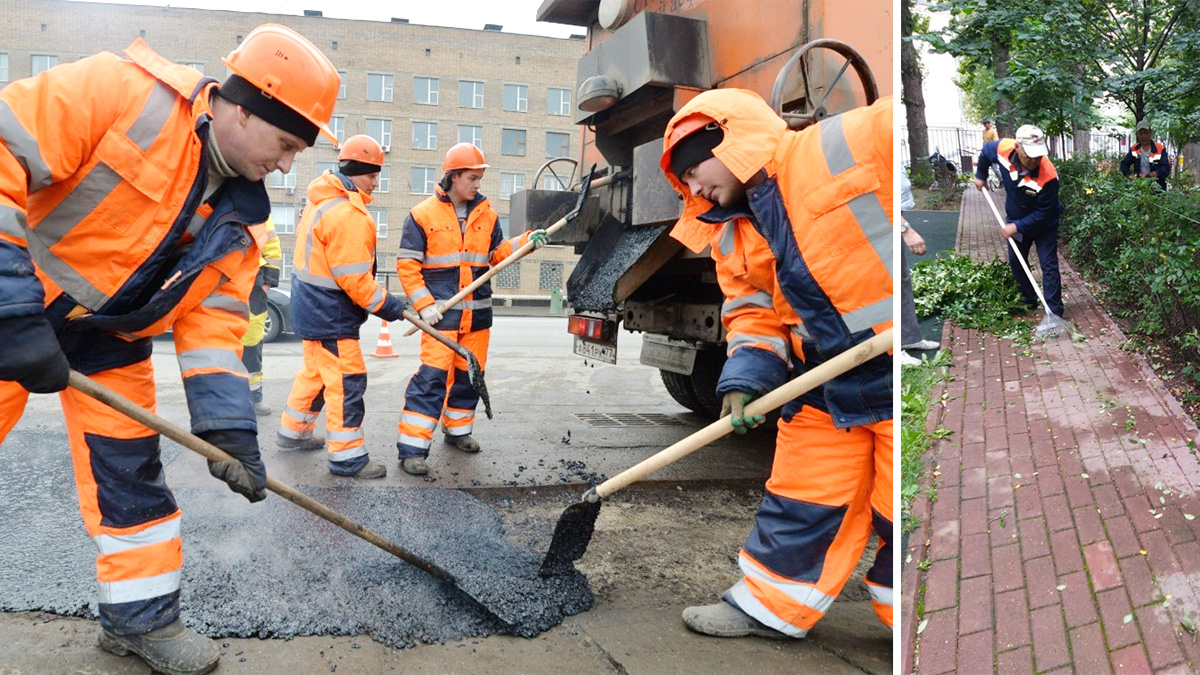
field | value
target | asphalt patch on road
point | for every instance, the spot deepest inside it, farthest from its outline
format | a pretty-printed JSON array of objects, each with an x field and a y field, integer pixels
[{"x": 274, "y": 570}]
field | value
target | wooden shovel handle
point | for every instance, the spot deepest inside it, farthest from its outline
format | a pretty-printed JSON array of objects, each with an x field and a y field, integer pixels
[
  {"x": 847, "y": 360},
  {"x": 212, "y": 453}
]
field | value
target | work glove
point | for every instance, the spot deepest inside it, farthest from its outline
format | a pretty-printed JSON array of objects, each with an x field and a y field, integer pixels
[
  {"x": 31, "y": 356},
  {"x": 733, "y": 404},
  {"x": 431, "y": 315},
  {"x": 539, "y": 238},
  {"x": 245, "y": 473}
]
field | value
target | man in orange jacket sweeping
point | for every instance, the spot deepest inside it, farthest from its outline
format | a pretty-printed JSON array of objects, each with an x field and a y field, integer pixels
[
  {"x": 129, "y": 193},
  {"x": 800, "y": 226},
  {"x": 333, "y": 289}
]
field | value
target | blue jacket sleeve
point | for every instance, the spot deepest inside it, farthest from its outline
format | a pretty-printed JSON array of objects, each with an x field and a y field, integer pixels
[
  {"x": 1164, "y": 166},
  {"x": 752, "y": 370},
  {"x": 1127, "y": 163},
  {"x": 987, "y": 157},
  {"x": 1044, "y": 214}
]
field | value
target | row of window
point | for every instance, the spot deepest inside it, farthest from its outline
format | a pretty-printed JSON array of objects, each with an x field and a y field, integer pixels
[
  {"x": 37, "y": 63},
  {"x": 550, "y": 273},
  {"x": 425, "y": 136},
  {"x": 427, "y": 91},
  {"x": 422, "y": 179}
]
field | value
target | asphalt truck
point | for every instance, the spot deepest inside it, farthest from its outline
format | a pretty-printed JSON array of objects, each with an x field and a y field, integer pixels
[{"x": 643, "y": 60}]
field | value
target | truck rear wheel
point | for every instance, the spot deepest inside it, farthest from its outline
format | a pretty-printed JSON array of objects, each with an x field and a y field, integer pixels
[{"x": 698, "y": 392}]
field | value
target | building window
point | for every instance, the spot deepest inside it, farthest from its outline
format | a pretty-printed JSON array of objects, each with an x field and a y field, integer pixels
[
  {"x": 516, "y": 97},
  {"x": 551, "y": 276},
  {"x": 322, "y": 167},
  {"x": 510, "y": 183},
  {"x": 385, "y": 179},
  {"x": 470, "y": 94},
  {"x": 425, "y": 90},
  {"x": 379, "y": 87},
  {"x": 284, "y": 216},
  {"x": 557, "y": 145},
  {"x": 422, "y": 180},
  {"x": 425, "y": 135},
  {"x": 42, "y": 62},
  {"x": 381, "y": 131},
  {"x": 197, "y": 65},
  {"x": 470, "y": 134},
  {"x": 342, "y": 84},
  {"x": 285, "y": 272},
  {"x": 276, "y": 179},
  {"x": 509, "y": 277},
  {"x": 559, "y": 102},
  {"x": 337, "y": 124},
  {"x": 3, "y": 67},
  {"x": 381, "y": 222},
  {"x": 552, "y": 181},
  {"x": 512, "y": 142}
]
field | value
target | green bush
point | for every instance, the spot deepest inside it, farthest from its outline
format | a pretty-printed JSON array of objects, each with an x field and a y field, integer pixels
[{"x": 972, "y": 294}]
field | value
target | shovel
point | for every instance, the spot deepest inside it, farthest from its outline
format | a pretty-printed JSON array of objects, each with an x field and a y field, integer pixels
[
  {"x": 575, "y": 526},
  {"x": 516, "y": 255},
  {"x": 1052, "y": 325},
  {"x": 474, "y": 371}
]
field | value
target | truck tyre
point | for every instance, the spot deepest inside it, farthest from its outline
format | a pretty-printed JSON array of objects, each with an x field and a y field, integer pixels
[
  {"x": 274, "y": 325},
  {"x": 698, "y": 392},
  {"x": 680, "y": 388}
]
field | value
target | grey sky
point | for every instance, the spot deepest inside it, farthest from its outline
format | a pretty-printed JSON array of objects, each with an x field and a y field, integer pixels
[{"x": 517, "y": 16}]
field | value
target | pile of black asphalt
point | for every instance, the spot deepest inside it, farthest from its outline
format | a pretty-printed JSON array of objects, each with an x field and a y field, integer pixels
[{"x": 274, "y": 570}]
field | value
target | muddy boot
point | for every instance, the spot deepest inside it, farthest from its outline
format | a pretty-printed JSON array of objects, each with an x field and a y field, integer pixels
[
  {"x": 725, "y": 620},
  {"x": 310, "y": 443},
  {"x": 174, "y": 649},
  {"x": 262, "y": 409},
  {"x": 463, "y": 443},
  {"x": 371, "y": 470},
  {"x": 414, "y": 466}
]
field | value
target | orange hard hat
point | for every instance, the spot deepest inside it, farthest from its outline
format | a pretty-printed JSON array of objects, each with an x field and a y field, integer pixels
[
  {"x": 361, "y": 148},
  {"x": 464, "y": 156},
  {"x": 288, "y": 68},
  {"x": 686, "y": 127}
]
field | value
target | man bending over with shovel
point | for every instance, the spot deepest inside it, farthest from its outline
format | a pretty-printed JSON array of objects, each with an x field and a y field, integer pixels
[
  {"x": 800, "y": 226},
  {"x": 449, "y": 240},
  {"x": 1031, "y": 208}
]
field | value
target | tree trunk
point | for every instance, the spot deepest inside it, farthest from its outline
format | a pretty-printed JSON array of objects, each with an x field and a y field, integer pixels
[
  {"x": 913, "y": 97},
  {"x": 1000, "y": 70},
  {"x": 1083, "y": 138}
]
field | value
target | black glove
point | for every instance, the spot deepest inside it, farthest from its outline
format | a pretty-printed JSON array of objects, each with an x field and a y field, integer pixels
[
  {"x": 245, "y": 473},
  {"x": 30, "y": 354}
]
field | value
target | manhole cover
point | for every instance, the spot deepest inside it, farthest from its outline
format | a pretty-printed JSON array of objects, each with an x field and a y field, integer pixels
[{"x": 628, "y": 420}]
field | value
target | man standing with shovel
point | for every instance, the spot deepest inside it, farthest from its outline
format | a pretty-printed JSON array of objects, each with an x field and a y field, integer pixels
[
  {"x": 800, "y": 226},
  {"x": 449, "y": 240},
  {"x": 1031, "y": 208}
]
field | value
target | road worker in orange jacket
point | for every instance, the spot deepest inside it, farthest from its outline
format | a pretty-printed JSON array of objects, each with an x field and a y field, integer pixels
[
  {"x": 333, "y": 288},
  {"x": 800, "y": 226},
  {"x": 269, "y": 263},
  {"x": 128, "y": 190},
  {"x": 449, "y": 240}
]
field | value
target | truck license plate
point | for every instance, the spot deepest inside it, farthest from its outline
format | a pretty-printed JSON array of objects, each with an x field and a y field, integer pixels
[
  {"x": 600, "y": 351},
  {"x": 666, "y": 356}
]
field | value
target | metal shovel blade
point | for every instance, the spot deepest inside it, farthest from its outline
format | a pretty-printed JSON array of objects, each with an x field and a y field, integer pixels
[
  {"x": 572, "y": 534},
  {"x": 475, "y": 376}
]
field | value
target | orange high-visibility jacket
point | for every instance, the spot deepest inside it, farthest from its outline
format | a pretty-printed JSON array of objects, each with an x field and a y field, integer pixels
[
  {"x": 438, "y": 258},
  {"x": 806, "y": 265},
  {"x": 334, "y": 279},
  {"x": 102, "y": 169}
]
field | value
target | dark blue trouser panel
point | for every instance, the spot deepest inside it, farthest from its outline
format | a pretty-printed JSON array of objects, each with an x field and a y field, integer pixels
[
  {"x": 1047, "y": 248},
  {"x": 791, "y": 536}
]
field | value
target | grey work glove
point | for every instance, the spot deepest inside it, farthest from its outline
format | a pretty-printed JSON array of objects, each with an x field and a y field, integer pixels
[
  {"x": 733, "y": 404},
  {"x": 31, "y": 356},
  {"x": 245, "y": 473},
  {"x": 430, "y": 314}
]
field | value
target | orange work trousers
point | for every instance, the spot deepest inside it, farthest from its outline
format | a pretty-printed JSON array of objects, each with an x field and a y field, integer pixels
[
  {"x": 440, "y": 389},
  {"x": 828, "y": 488},
  {"x": 334, "y": 378}
]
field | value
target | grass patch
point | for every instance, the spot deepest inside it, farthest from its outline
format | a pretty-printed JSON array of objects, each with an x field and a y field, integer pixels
[{"x": 916, "y": 384}]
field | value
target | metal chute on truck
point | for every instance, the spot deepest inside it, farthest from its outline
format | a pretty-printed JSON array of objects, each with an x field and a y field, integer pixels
[{"x": 644, "y": 60}]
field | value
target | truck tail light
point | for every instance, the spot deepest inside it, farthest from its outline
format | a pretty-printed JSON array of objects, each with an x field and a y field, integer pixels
[{"x": 587, "y": 327}]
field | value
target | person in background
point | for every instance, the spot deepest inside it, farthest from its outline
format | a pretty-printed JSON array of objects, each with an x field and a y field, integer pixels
[
  {"x": 269, "y": 265},
  {"x": 1147, "y": 157},
  {"x": 910, "y": 330}
]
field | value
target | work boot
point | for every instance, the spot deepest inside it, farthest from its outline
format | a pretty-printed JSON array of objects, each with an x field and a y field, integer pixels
[
  {"x": 174, "y": 649},
  {"x": 725, "y": 620},
  {"x": 371, "y": 470},
  {"x": 414, "y": 466},
  {"x": 262, "y": 409},
  {"x": 310, "y": 443},
  {"x": 464, "y": 443}
]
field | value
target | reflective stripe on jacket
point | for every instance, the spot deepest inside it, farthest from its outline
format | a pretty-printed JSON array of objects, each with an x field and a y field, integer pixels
[
  {"x": 806, "y": 264},
  {"x": 1032, "y": 199},
  {"x": 334, "y": 283},
  {"x": 438, "y": 258},
  {"x": 1160, "y": 161},
  {"x": 102, "y": 169}
]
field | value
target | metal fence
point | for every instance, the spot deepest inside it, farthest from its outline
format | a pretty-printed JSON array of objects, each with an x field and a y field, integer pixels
[{"x": 956, "y": 142}]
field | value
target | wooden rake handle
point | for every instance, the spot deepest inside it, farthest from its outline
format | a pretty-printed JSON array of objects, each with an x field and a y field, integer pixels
[
  {"x": 1024, "y": 264},
  {"x": 212, "y": 453},
  {"x": 847, "y": 360}
]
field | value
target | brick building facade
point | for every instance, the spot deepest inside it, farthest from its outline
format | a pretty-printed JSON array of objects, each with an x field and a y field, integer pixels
[{"x": 418, "y": 89}]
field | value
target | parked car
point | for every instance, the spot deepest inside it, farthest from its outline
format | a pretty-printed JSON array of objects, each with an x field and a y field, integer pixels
[{"x": 279, "y": 313}]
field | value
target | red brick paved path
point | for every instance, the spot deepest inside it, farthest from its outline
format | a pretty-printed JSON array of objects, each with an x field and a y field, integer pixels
[{"x": 1061, "y": 538}]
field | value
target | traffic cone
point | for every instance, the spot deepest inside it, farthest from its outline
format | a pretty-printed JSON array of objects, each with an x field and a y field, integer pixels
[{"x": 383, "y": 350}]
